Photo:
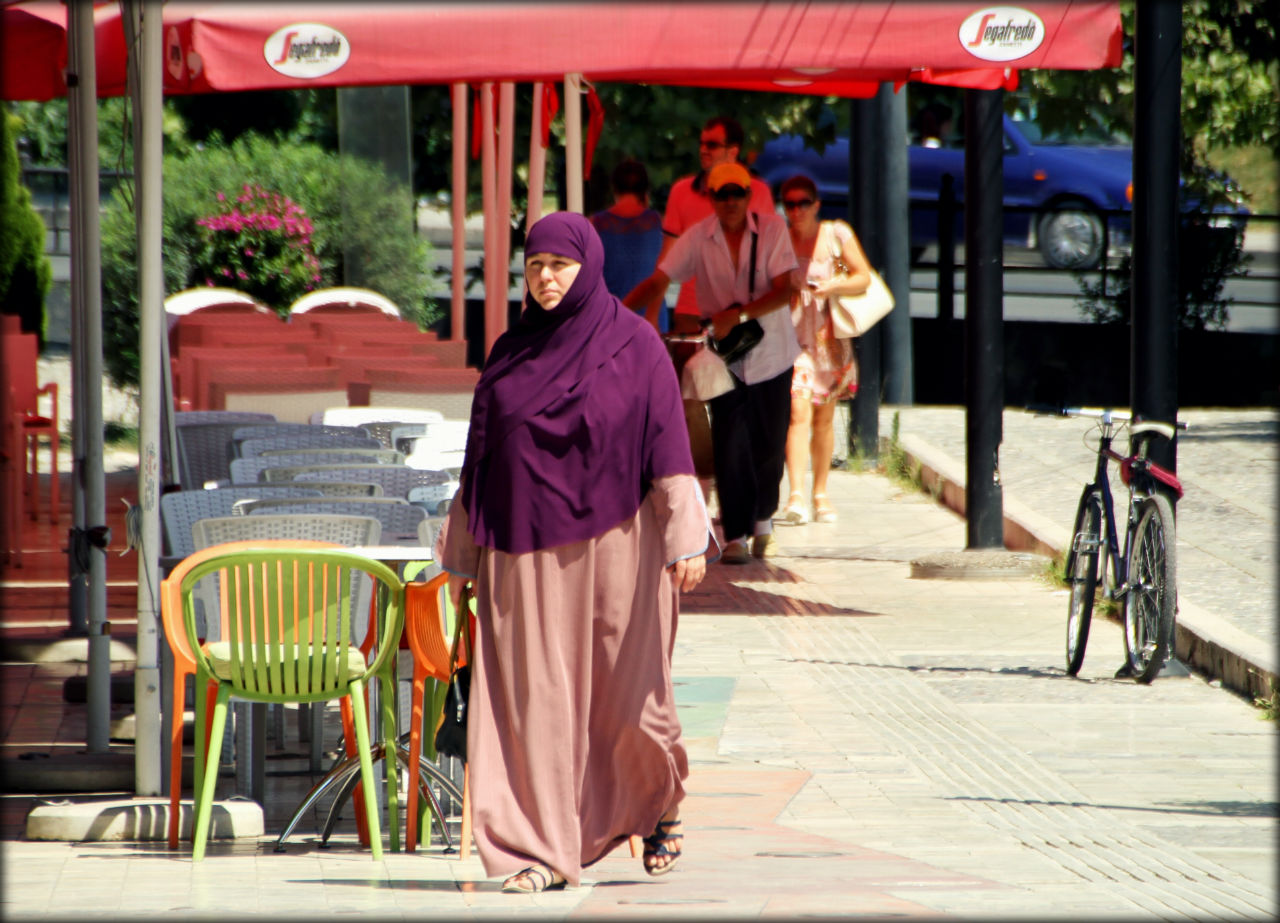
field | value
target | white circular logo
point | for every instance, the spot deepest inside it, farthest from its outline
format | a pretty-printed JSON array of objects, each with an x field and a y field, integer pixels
[
  {"x": 306, "y": 50},
  {"x": 1001, "y": 33}
]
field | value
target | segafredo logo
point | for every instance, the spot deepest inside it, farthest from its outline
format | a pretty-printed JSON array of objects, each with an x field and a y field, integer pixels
[
  {"x": 1002, "y": 33},
  {"x": 306, "y": 50}
]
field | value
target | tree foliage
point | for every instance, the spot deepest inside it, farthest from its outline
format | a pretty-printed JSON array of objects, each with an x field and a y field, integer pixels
[
  {"x": 25, "y": 273},
  {"x": 1229, "y": 79},
  {"x": 657, "y": 125}
]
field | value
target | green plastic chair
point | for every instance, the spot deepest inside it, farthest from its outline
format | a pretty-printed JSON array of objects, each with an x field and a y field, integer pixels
[{"x": 287, "y": 636}]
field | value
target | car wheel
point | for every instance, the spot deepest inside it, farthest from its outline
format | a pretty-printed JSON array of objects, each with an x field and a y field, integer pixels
[{"x": 1071, "y": 237}]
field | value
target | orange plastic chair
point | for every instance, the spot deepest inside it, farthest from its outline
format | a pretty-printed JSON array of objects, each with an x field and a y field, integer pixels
[{"x": 424, "y": 629}]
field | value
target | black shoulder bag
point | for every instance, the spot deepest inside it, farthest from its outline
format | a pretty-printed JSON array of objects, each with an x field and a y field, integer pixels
[
  {"x": 743, "y": 338},
  {"x": 451, "y": 736}
]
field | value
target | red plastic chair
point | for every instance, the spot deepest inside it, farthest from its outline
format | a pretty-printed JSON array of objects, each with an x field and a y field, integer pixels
[{"x": 23, "y": 414}]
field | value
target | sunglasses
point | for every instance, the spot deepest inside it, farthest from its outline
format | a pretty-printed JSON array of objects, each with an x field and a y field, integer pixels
[
  {"x": 797, "y": 203},
  {"x": 712, "y": 145},
  {"x": 729, "y": 193}
]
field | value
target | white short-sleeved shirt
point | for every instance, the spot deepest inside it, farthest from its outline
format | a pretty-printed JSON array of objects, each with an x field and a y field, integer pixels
[
  {"x": 687, "y": 206},
  {"x": 701, "y": 253}
]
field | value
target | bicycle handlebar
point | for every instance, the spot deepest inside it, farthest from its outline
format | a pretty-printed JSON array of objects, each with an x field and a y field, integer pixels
[{"x": 1108, "y": 415}]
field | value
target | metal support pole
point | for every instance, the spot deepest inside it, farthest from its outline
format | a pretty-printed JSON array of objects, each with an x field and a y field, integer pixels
[
  {"x": 573, "y": 141},
  {"x": 983, "y": 309},
  {"x": 537, "y": 162},
  {"x": 91, "y": 541},
  {"x": 1157, "y": 138},
  {"x": 458, "y": 205},
  {"x": 146, "y": 695},
  {"x": 506, "y": 118},
  {"x": 864, "y": 212},
  {"x": 77, "y": 569},
  {"x": 495, "y": 291},
  {"x": 895, "y": 338},
  {"x": 947, "y": 249}
]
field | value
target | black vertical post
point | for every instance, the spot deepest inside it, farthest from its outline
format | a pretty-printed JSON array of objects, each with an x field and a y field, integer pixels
[
  {"x": 864, "y": 211},
  {"x": 1157, "y": 139},
  {"x": 983, "y": 310},
  {"x": 947, "y": 249},
  {"x": 895, "y": 338}
]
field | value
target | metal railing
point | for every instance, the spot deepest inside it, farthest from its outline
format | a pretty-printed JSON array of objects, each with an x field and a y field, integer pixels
[{"x": 51, "y": 197}]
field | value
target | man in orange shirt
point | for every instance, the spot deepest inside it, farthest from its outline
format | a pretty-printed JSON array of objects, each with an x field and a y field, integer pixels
[{"x": 689, "y": 202}]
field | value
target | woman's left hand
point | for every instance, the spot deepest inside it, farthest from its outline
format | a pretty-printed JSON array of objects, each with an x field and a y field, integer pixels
[
  {"x": 824, "y": 287},
  {"x": 687, "y": 573}
]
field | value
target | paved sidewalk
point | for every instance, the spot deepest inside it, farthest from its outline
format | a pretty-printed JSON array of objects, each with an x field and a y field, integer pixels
[
  {"x": 1229, "y": 466},
  {"x": 863, "y": 743}
]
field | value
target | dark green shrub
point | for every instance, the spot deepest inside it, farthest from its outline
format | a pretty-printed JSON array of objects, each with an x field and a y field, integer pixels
[
  {"x": 25, "y": 273},
  {"x": 1210, "y": 251},
  {"x": 372, "y": 222}
]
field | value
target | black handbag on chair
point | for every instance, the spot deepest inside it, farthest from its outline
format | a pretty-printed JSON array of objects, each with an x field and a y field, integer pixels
[
  {"x": 743, "y": 338},
  {"x": 451, "y": 736}
]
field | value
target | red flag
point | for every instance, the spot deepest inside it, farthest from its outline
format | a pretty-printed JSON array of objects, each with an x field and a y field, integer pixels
[
  {"x": 550, "y": 106},
  {"x": 476, "y": 126}
]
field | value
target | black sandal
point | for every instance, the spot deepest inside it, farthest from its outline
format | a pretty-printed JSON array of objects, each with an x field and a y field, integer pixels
[
  {"x": 656, "y": 844},
  {"x": 545, "y": 881}
]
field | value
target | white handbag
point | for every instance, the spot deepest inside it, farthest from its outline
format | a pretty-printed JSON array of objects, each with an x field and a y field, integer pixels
[{"x": 854, "y": 315}]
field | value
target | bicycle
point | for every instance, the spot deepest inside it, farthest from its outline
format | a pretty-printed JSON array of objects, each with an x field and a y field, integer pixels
[{"x": 1144, "y": 577}]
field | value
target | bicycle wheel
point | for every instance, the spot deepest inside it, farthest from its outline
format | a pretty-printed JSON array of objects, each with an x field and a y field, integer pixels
[
  {"x": 1082, "y": 575},
  {"x": 1151, "y": 602}
]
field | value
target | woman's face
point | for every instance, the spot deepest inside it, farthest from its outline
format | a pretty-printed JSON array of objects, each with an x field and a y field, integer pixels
[
  {"x": 549, "y": 276},
  {"x": 801, "y": 207}
]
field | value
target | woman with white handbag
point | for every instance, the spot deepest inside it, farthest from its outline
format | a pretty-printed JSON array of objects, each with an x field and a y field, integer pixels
[{"x": 831, "y": 263}]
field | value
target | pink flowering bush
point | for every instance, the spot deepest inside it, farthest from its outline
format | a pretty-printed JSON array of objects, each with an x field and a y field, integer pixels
[
  {"x": 345, "y": 214},
  {"x": 258, "y": 242}
]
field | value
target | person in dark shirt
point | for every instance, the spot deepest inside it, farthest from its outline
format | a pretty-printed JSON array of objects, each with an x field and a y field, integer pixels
[{"x": 631, "y": 232}]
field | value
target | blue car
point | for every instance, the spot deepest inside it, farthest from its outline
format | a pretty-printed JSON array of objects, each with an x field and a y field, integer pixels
[{"x": 1056, "y": 196}]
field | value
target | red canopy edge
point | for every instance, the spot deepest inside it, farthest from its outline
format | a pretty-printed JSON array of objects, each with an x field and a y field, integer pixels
[{"x": 826, "y": 48}]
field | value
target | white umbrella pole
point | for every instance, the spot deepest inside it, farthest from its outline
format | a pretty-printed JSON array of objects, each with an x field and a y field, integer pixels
[
  {"x": 489, "y": 180},
  {"x": 537, "y": 162},
  {"x": 506, "y": 157},
  {"x": 88, "y": 266},
  {"x": 573, "y": 141},
  {"x": 457, "y": 329},
  {"x": 146, "y": 688}
]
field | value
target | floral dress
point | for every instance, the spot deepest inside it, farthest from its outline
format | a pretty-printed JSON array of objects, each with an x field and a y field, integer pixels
[{"x": 826, "y": 369}]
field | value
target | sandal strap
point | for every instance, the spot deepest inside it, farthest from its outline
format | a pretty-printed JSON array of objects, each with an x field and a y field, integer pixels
[
  {"x": 656, "y": 842},
  {"x": 546, "y": 878},
  {"x": 657, "y": 847}
]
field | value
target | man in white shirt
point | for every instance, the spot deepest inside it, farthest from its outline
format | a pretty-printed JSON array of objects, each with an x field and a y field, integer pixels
[{"x": 742, "y": 263}]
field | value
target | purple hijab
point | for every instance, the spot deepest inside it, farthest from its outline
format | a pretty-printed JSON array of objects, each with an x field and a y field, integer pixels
[{"x": 577, "y": 411}]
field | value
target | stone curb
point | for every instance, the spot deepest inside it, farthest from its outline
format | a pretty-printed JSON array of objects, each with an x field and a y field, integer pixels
[
  {"x": 138, "y": 819},
  {"x": 1204, "y": 641}
]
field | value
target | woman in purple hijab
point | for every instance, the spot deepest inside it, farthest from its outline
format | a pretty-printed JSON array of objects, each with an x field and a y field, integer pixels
[{"x": 578, "y": 523}]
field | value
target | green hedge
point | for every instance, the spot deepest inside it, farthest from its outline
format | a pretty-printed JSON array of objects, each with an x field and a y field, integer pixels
[
  {"x": 374, "y": 224},
  {"x": 25, "y": 273}
]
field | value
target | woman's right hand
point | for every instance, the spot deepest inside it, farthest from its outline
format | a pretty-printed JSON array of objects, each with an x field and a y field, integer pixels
[{"x": 456, "y": 586}]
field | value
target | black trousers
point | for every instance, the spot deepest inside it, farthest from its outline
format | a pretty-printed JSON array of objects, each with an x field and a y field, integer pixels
[{"x": 749, "y": 444}]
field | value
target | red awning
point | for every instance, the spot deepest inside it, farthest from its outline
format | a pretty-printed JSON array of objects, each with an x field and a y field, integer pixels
[{"x": 841, "y": 49}]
